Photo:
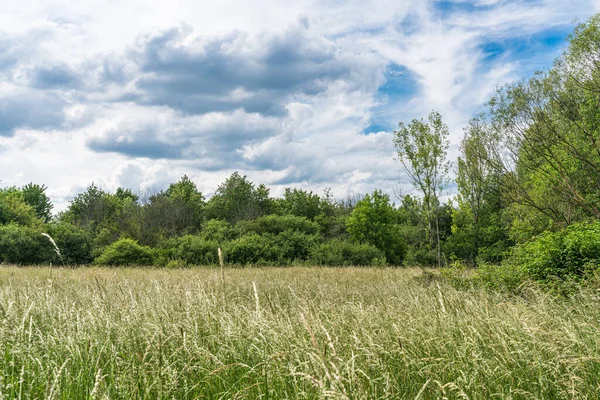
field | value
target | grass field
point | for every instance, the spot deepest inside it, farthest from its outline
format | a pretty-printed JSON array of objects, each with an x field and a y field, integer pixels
[{"x": 287, "y": 333}]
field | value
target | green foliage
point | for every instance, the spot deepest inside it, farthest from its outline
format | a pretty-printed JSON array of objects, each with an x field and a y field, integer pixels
[
  {"x": 344, "y": 253},
  {"x": 125, "y": 252},
  {"x": 252, "y": 249},
  {"x": 275, "y": 224},
  {"x": 125, "y": 195},
  {"x": 24, "y": 245},
  {"x": 568, "y": 254},
  {"x": 185, "y": 192},
  {"x": 237, "y": 199},
  {"x": 217, "y": 230},
  {"x": 281, "y": 248},
  {"x": 194, "y": 250},
  {"x": 14, "y": 209},
  {"x": 294, "y": 245},
  {"x": 165, "y": 217},
  {"x": 91, "y": 209},
  {"x": 75, "y": 243},
  {"x": 373, "y": 221},
  {"x": 35, "y": 196},
  {"x": 546, "y": 132},
  {"x": 301, "y": 203},
  {"x": 334, "y": 226},
  {"x": 420, "y": 256},
  {"x": 501, "y": 277},
  {"x": 479, "y": 232},
  {"x": 175, "y": 212},
  {"x": 422, "y": 150}
]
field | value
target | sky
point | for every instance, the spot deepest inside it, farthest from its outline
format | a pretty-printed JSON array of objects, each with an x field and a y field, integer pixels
[{"x": 299, "y": 93}]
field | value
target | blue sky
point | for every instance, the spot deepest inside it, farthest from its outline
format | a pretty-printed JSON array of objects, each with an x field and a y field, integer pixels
[{"x": 303, "y": 93}]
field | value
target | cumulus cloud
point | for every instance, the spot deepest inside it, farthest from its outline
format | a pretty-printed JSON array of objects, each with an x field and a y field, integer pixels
[
  {"x": 28, "y": 109},
  {"x": 258, "y": 73}
]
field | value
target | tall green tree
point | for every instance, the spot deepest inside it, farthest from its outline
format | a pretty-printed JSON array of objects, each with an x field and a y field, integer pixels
[
  {"x": 14, "y": 209},
  {"x": 237, "y": 199},
  {"x": 422, "y": 149},
  {"x": 478, "y": 229},
  {"x": 177, "y": 211},
  {"x": 301, "y": 203},
  {"x": 92, "y": 209},
  {"x": 35, "y": 196},
  {"x": 374, "y": 221},
  {"x": 548, "y": 137}
]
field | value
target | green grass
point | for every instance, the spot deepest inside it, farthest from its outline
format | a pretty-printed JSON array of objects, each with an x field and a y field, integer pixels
[{"x": 287, "y": 333}]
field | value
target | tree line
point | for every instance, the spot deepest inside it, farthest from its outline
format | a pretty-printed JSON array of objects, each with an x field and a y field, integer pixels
[{"x": 528, "y": 172}]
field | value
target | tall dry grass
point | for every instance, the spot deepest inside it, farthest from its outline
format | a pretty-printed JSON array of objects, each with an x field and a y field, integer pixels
[{"x": 287, "y": 333}]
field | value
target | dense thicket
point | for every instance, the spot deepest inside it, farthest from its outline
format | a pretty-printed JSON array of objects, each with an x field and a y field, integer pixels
[{"x": 528, "y": 196}]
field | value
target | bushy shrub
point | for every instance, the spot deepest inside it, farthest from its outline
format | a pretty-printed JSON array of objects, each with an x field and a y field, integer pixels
[
  {"x": 252, "y": 249},
  {"x": 275, "y": 224},
  {"x": 341, "y": 253},
  {"x": 567, "y": 254},
  {"x": 125, "y": 252},
  {"x": 500, "y": 277},
  {"x": 218, "y": 230},
  {"x": 420, "y": 257},
  {"x": 75, "y": 243},
  {"x": 494, "y": 253},
  {"x": 23, "y": 245},
  {"x": 283, "y": 248},
  {"x": 194, "y": 250},
  {"x": 104, "y": 238},
  {"x": 294, "y": 246}
]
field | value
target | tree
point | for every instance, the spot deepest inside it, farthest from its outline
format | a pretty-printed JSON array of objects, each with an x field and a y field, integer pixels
[
  {"x": 92, "y": 208},
  {"x": 478, "y": 230},
  {"x": 422, "y": 148},
  {"x": 301, "y": 203},
  {"x": 186, "y": 191},
  {"x": 126, "y": 194},
  {"x": 35, "y": 196},
  {"x": 14, "y": 209},
  {"x": 237, "y": 199},
  {"x": 547, "y": 135},
  {"x": 177, "y": 211},
  {"x": 374, "y": 221},
  {"x": 104, "y": 215}
]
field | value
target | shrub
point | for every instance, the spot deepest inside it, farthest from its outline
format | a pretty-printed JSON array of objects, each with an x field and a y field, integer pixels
[
  {"x": 294, "y": 246},
  {"x": 23, "y": 245},
  {"x": 341, "y": 252},
  {"x": 75, "y": 244},
  {"x": 420, "y": 256},
  {"x": 500, "y": 277},
  {"x": 275, "y": 224},
  {"x": 194, "y": 250},
  {"x": 564, "y": 255},
  {"x": 218, "y": 230},
  {"x": 104, "y": 238},
  {"x": 494, "y": 253},
  {"x": 252, "y": 249},
  {"x": 125, "y": 252}
]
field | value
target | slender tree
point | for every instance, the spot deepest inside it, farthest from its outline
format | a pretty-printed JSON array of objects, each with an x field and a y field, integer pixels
[{"x": 422, "y": 149}]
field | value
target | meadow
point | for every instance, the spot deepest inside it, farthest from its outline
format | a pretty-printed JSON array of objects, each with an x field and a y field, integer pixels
[{"x": 300, "y": 332}]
